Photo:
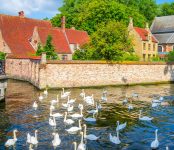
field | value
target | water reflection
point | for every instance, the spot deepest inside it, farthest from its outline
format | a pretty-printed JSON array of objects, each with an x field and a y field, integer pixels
[{"x": 17, "y": 113}]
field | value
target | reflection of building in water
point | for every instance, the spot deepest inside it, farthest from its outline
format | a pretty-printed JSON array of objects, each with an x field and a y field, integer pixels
[{"x": 3, "y": 86}]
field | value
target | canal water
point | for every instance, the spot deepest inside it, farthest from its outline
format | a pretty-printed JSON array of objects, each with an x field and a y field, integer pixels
[{"x": 16, "y": 112}]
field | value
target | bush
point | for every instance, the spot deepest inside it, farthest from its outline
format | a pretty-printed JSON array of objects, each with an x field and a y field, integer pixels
[
  {"x": 2, "y": 55},
  {"x": 170, "y": 56}
]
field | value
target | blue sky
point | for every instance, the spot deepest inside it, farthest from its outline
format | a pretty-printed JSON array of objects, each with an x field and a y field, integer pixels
[{"x": 38, "y": 9}]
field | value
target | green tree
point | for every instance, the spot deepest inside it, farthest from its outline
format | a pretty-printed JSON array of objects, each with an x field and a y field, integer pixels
[
  {"x": 88, "y": 14},
  {"x": 2, "y": 55},
  {"x": 170, "y": 56},
  {"x": 109, "y": 42},
  {"x": 48, "y": 48},
  {"x": 166, "y": 9}
]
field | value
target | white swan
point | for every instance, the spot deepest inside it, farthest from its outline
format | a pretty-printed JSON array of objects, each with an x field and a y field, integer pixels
[
  {"x": 76, "y": 116},
  {"x": 41, "y": 97},
  {"x": 114, "y": 139},
  {"x": 68, "y": 121},
  {"x": 52, "y": 107},
  {"x": 81, "y": 146},
  {"x": 55, "y": 101},
  {"x": 89, "y": 136},
  {"x": 155, "y": 143},
  {"x": 99, "y": 106},
  {"x": 70, "y": 108},
  {"x": 65, "y": 105},
  {"x": 135, "y": 95},
  {"x": 120, "y": 126},
  {"x": 33, "y": 139},
  {"x": 125, "y": 101},
  {"x": 161, "y": 98},
  {"x": 80, "y": 106},
  {"x": 56, "y": 115},
  {"x": 63, "y": 96},
  {"x": 31, "y": 147},
  {"x": 11, "y": 142},
  {"x": 71, "y": 101},
  {"x": 88, "y": 98},
  {"x": 35, "y": 105},
  {"x": 45, "y": 92},
  {"x": 130, "y": 107},
  {"x": 144, "y": 118},
  {"x": 82, "y": 93},
  {"x": 75, "y": 145},
  {"x": 74, "y": 129},
  {"x": 52, "y": 121},
  {"x": 167, "y": 148},
  {"x": 94, "y": 110},
  {"x": 89, "y": 119},
  {"x": 155, "y": 104},
  {"x": 66, "y": 93},
  {"x": 56, "y": 141}
]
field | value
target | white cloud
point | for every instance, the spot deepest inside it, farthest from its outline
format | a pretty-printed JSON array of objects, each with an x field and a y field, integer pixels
[{"x": 30, "y": 6}]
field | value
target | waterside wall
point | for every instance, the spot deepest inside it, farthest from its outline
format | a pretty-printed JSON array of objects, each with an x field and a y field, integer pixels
[{"x": 56, "y": 74}]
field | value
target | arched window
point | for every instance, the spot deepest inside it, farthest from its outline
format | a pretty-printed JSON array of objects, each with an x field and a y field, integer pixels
[{"x": 160, "y": 48}]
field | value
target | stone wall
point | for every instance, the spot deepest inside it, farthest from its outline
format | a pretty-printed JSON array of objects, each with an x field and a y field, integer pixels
[
  {"x": 23, "y": 69},
  {"x": 57, "y": 74}
]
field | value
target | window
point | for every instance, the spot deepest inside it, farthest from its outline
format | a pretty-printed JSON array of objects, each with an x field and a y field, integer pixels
[
  {"x": 154, "y": 47},
  {"x": 144, "y": 57},
  {"x": 160, "y": 48},
  {"x": 149, "y": 57},
  {"x": 144, "y": 46},
  {"x": 64, "y": 57},
  {"x": 149, "y": 45}
]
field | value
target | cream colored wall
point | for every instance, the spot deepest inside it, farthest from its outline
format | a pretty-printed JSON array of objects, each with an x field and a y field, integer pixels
[
  {"x": 36, "y": 37},
  {"x": 3, "y": 45}
]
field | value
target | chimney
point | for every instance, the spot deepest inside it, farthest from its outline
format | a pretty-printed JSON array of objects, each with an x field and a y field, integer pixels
[
  {"x": 63, "y": 24},
  {"x": 131, "y": 24},
  {"x": 21, "y": 14}
]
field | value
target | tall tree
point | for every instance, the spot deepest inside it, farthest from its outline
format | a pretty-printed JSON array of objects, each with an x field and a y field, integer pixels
[{"x": 166, "y": 9}]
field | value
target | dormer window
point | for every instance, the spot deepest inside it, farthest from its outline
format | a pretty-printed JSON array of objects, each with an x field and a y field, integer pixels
[{"x": 35, "y": 41}]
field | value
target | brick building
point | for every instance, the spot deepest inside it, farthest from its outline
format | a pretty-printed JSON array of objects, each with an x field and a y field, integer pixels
[
  {"x": 163, "y": 30},
  {"x": 144, "y": 43},
  {"x": 19, "y": 36}
]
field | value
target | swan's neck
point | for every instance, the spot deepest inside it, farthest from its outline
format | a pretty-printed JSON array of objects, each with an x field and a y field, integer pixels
[
  {"x": 35, "y": 135},
  {"x": 75, "y": 146},
  {"x": 80, "y": 125},
  {"x": 84, "y": 131},
  {"x": 82, "y": 138},
  {"x": 63, "y": 90},
  {"x": 156, "y": 136},
  {"x": 54, "y": 120},
  {"x": 14, "y": 135},
  {"x": 81, "y": 112},
  {"x": 51, "y": 113},
  {"x": 118, "y": 134},
  {"x": 57, "y": 98},
  {"x": 84, "y": 96}
]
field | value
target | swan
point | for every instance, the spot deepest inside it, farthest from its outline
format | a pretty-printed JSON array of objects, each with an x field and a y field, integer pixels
[
  {"x": 130, "y": 107},
  {"x": 114, "y": 139},
  {"x": 82, "y": 93},
  {"x": 94, "y": 110},
  {"x": 144, "y": 118},
  {"x": 33, "y": 139},
  {"x": 56, "y": 141},
  {"x": 55, "y": 101},
  {"x": 35, "y": 105},
  {"x": 70, "y": 108},
  {"x": 65, "y": 105},
  {"x": 80, "y": 106},
  {"x": 86, "y": 98},
  {"x": 90, "y": 119},
  {"x": 99, "y": 106},
  {"x": 104, "y": 97},
  {"x": 161, "y": 98},
  {"x": 52, "y": 121},
  {"x": 45, "y": 92},
  {"x": 41, "y": 97},
  {"x": 66, "y": 93},
  {"x": 120, "y": 126},
  {"x": 31, "y": 147},
  {"x": 63, "y": 96},
  {"x": 52, "y": 107},
  {"x": 125, "y": 101},
  {"x": 156, "y": 101},
  {"x": 167, "y": 148},
  {"x": 155, "y": 104},
  {"x": 75, "y": 145},
  {"x": 28, "y": 138},
  {"x": 155, "y": 143},
  {"x": 68, "y": 121},
  {"x": 81, "y": 146},
  {"x": 76, "y": 116},
  {"x": 11, "y": 142},
  {"x": 56, "y": 115},
  {"x": 74, "y": 129},
  {"x": 135, "y": 95},
  {"x": 70, "y": 101},
  {"x": 89, "y": 136}
]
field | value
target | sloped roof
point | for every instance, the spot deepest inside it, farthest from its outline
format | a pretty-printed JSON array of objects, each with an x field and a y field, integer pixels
[
  {"x": 77, "y": 36},
  {"x": 58, "y": 39},
  {"x": 16, "y": 31},
  {"x": 164, "y": 24},
  {"x": 143, "y": 33},
  {"x": 165, "y": 38}
]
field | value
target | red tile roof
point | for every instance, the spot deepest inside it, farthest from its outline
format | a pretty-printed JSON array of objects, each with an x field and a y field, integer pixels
[
  {"x": 58, "y": 38},
  {"x": 76, "y": 36},
  {"x": 143, "y": 33},
  {"x": 16, "y": 31}
]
